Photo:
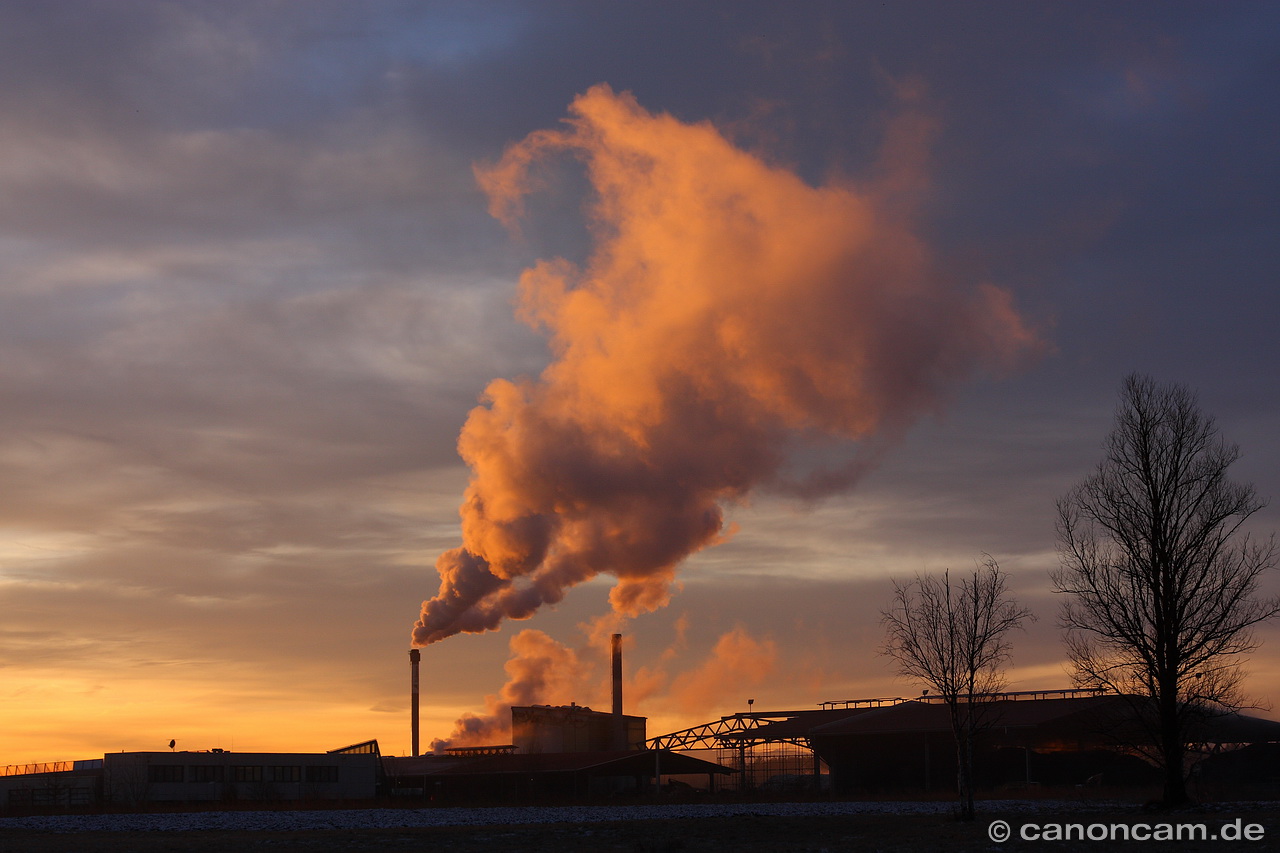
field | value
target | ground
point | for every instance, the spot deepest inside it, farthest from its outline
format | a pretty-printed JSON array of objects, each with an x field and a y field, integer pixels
[{"x": 751, "y": 834}]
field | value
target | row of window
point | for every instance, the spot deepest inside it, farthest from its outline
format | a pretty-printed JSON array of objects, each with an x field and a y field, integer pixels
[
  {"x": 241, "y": 773},
  {"x": 50, "y": 795}
]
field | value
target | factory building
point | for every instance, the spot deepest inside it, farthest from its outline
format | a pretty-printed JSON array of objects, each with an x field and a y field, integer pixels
[
  {"x": 540, "y": 729},
  {"x": 1065, "y": 738},
  {"x": 53, "y": 784},
  {"x": 556, "y": 751},
  {"x": 132, "y": 778}
]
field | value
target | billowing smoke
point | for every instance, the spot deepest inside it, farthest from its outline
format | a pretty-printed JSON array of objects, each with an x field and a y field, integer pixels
[
  {"x": 540, "y": 671},
  {"x": 728, "y": 314},
  {"x": 737, "y": 662},
  {"x": 543, "y": 671}
]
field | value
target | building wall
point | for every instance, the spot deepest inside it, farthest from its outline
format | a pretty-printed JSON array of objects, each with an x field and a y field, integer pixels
[
  {"x": 542, "y": 729},
  {"x": 926, "y": 761},
  {"x": 135, "y": 777},
  {"x": 63, "y": 789}
]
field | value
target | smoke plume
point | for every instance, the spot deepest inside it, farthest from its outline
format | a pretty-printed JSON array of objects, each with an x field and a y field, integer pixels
[
  {"x": 728, "y": 314},
  {"x": 738, "y": 661},
  {"x": 540, "y": 671}
]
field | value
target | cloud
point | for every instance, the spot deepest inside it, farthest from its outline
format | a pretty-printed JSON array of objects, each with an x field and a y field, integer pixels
[{"x": 729, "y": 312}]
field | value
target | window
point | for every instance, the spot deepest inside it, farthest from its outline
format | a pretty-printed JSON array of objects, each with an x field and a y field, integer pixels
[
  {"x": 164, "y": 773},
  {"x": 246, "y": 773},
  {"x": 327, "y": 773},
  {"x": 286, "y": 774},
  {"x": 206, "y": 773}
]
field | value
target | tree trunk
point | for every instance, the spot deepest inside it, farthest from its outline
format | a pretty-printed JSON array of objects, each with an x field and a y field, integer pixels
[
  {"x": 962, "y": 782},
  {"x": 1172, "y": 741},
  {"x": 1174, "y": 751},
  {"x": 1175, "y": 785},
  {"x": 967, "y": 811},
  {"x": 964, "y": 765}
]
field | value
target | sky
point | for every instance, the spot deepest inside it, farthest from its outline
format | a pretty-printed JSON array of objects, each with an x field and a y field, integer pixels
[{"x": 327, "y": 328}]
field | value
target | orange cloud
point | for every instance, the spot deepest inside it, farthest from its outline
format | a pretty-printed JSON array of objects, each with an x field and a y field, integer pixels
[
  {"x": 737, "y": 662},
  {"x": 728, "y": 312}
]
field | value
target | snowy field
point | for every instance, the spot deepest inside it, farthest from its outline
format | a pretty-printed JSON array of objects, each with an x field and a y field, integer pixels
[{"x": 293, "y": 821}]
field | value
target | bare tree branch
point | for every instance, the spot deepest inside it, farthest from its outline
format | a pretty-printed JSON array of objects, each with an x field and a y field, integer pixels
[{"x": 954, "y": 639}]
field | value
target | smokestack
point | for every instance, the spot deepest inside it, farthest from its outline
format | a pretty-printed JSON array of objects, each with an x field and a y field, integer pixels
[
  {"x": 619, "y": 725},
  {"x": 617, "y": 675},
  {"x": 414, "y": 657}
]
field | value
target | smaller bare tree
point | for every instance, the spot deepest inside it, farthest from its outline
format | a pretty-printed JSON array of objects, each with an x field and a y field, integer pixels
[{"x": 953, "y": 637}]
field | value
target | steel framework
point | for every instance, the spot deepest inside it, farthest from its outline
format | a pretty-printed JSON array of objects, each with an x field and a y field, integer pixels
[
  {"x": 768, "y": 758},
  {"x": 762, "y": 761}
]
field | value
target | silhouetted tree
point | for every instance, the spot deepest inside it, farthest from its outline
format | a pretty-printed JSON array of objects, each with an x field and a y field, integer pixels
[
  {"x": 953, "y": 638},
  {"x": 1161, "y": 581}
]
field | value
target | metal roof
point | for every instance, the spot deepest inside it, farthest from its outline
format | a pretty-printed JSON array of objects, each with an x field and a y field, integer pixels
[
  {"x": 612, "y": 763},
  {"x": 1073, "y": 712},
  {"x": 797, "y": 727}
]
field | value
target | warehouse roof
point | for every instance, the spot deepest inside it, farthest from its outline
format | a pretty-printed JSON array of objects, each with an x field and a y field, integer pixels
[{"x": 612, "y": 763}]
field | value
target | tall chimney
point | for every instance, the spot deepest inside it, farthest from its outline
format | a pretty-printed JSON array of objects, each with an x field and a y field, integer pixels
[
  {"x": 619, "y": 725},
  {"x": 617, "y": 675},
  {"x": 414, "y": 657}
]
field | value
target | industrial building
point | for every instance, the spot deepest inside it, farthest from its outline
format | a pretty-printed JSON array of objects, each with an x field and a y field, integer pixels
[
  {"x": 557, "y": 751},
  {"x": 894, "y": 745},
  {"x": 131, "y": 778},
  {"x": 540, "y": 729}
]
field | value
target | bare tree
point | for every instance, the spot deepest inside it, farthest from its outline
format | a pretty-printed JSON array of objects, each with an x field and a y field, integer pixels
[
  {"x": 953, "y": 637},
  {"x": 1162, "y": 582}
]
